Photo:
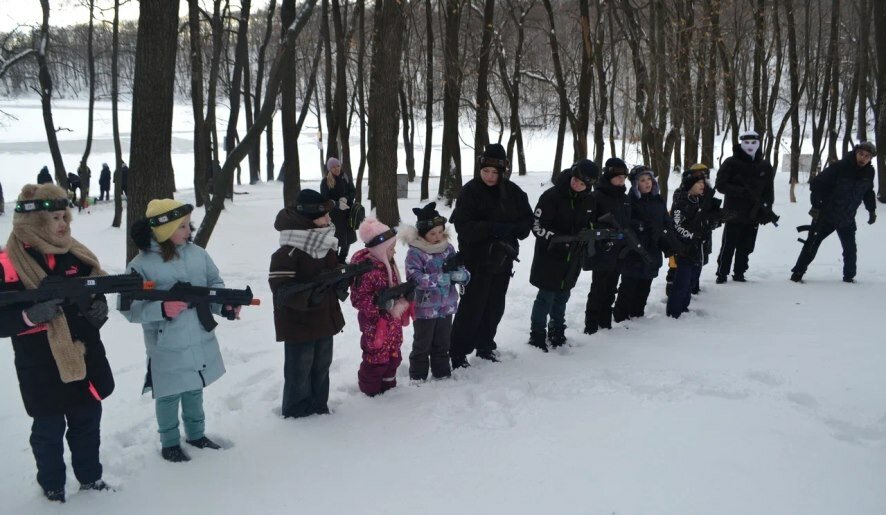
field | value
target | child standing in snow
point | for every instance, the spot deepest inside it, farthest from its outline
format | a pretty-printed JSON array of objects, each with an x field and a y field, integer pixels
[
  {"x": 436, "y": 298},
  {"x": 382, "y": 327},
  {"x": 183, "y": 357}
]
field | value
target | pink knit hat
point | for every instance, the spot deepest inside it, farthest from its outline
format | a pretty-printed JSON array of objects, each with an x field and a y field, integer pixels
[{"x": 378, "y": 238}]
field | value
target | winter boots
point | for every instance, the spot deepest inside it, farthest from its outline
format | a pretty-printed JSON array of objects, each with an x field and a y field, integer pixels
[
  {"x": 556, "y": 336},
  {"x": 797, "y": 277},
  {"x": 739, "y": 278},
  {"x": 204, "y": 443},
  {"x": 459, "y": 362},
  {"x": 537, "y": 339},
  {"x": 55, "y": 495},
  {"x": 175, "y": 454},
  {"x": 98, "y": 486}
]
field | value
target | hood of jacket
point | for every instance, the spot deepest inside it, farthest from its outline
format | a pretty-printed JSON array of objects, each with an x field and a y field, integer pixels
[{"x": 289, "y": 219}]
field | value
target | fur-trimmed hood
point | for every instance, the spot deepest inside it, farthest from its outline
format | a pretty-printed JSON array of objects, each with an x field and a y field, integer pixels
[{"x": 408, "y": 235}]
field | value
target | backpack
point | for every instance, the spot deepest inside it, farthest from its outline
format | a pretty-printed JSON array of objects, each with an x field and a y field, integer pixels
[{"x": 356, "y": 216}]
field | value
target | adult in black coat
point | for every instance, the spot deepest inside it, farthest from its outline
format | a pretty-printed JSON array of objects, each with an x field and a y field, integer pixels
[
  {"x": 73, "y": 184},
  {"x": 122, "y": 176},
  {"x": 44, "y": 177},
  {"x": 104, "y": 183},
  {"x": 649, "y": 218},
  {"x": 563, "y": 210},
  {"x": 746, "y": 181},
  {"x": 60, "y": 361},
  {"x": 836, "y": 194},
  {"x": 491, "y": 215},
  {"x": 610, "y": 196},
  {"x": 339, "y": 189}
]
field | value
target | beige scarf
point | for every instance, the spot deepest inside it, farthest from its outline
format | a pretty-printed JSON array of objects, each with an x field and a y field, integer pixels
[{"x": 30, "y": 229}]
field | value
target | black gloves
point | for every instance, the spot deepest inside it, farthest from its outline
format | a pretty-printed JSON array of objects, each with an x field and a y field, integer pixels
[
  {"x": 97, "y": 314},
  {"x": 45, "y": 311},
  {"x": 872, "y": 217},
  {"x": 815, "y": 213},
  {"x": 341, "y": 291}
]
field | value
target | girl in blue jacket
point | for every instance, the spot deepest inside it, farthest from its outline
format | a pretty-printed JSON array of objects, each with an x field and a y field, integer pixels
[{"x": 183, "y": 357}]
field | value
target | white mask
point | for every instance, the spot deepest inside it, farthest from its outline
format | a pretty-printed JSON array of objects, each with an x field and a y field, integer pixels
[{"x": 750, "y": 146}]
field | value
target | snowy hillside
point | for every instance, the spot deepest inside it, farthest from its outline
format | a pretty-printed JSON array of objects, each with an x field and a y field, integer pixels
[{"x": 768, "y": 398}]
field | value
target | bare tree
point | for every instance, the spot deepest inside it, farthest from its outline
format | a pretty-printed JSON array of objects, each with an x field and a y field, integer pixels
[
  {"x": 481, "y": 129},
  {"x": 450, "y": 159},
  {"x": 45, "y": 92},
  {"x": 115, "y": 117},
  {"x": 83, "y": 170},
  {"x": 880, "y": 42},
  {"x": 202, "y": 153}
]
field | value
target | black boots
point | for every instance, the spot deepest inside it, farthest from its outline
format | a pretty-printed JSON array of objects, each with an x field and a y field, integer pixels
[
  {"x": 556, "y": 336},
  {"x": 175, "y": 454},
  {"x": 488, "y": 355},
  {"x": 739, "y": 278},
  {"x": 797, "y": 277},
  {"x": 537, "y": 339},
  {"x": 55, "y": 495},
  {"x": 204, "y": 443},
  {"x": 459, "y": 362}
]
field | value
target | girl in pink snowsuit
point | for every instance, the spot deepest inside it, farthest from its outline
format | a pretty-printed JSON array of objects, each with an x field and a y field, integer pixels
[{"x": 382, "y": 327}]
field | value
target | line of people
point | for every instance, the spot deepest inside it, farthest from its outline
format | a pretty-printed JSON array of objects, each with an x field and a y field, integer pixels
[{"x": 587, "y": 221}]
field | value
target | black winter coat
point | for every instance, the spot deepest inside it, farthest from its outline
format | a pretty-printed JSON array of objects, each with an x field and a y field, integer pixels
[
  {"x": 609, "y": 199},
  {"x": 44, "y": 176},
  {"x": 42, "y": 389},
  {"x": 745, "y": 182},
  {"x": 485, "y": 215},
  {"x": 104, "y": 178},
  {"x": 693, "y": 227},
  {"x": 649, "y": 214},
  {"x": 560, "y": 212},
  {"x": 840, "y": 189},
  {"x": 342, "y": 188}
]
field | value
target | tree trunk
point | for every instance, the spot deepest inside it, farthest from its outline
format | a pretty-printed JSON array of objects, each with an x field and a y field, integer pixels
[
  {"x": 583, "y": 114},
  {"x": 240, "y": 57},
  {"x": 115, "y": 118},
  {"x": 202, "y": 154},
  {"x": 218, "y": 32},
  {"x": 429, "y": 100},
  {"x": 361, "y": 96},
  {"x": 259, "y": 84},
  {"x": 390, "y": 22},
  {"x": 61, "y": 176},
  {"x": 342, "y": 54},
  {"x": 83, "y": 169},
  {"x": 793, "y": 67},
  {"x": 880, "y": 42},
  {"x": 329, "y": 98},
  {"x": 481, "y": 131},
  {"x": 150, "y": 172},
  {"x": 450, "y": 159},
  {"x": 291, "y": 175}
]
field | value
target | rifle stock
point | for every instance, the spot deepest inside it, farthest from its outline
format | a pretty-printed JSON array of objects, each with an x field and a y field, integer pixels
[{"x": 322, "y": 282}]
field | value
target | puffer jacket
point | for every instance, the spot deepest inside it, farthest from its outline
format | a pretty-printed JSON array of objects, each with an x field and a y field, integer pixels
[
  {"x": 745, "y": 182},
  {"x": 182, "y": 355},
  {"x": 840, "y": 189},
  {"x": 382, "y": 333},
  {"x": 42, "y": 389},
  {"x": 649, "y": 214},
  {"x": 434, "y": 296}
]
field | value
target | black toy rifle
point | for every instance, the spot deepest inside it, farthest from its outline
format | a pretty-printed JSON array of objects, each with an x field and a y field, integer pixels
[
  {"x": 78, "y": 291},
  {"x": 321, "y": 283},
  {"x": 632, "y": 242},
  {"x": 586, "y": 238},
  {"x": 389, "y": 295},
  {"x": 198, "y": 297}
]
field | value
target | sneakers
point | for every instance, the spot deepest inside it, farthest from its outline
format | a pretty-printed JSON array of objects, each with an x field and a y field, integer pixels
[
  {"x": 488, "y": 355},
  {"x": 98, "y": 486},
  {"x": 797, "y": 277},
  {"x": 55, "y": 495},
  {"x": 537, "y": 339},
  {"x": 175, "y": 454},
  {"x": 721, "y": 279},
  {"x": 203, "y": 443}
]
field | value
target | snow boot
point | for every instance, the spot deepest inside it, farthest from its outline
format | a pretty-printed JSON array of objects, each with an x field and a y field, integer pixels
[
  {"x": 98, "y": 486},
  {"x": 721, "y": 279},
  {"x": 537, "y": 339},
  {"x": 55, "y": 495},
  {"x": 739, "y": 278},
  {"x": 556, "y": 336},
  {"x": 848, "y": 280},
  {"x": 488, "y": 355},
  {"x": 459, "y": 362},
  {"x": 175, "y": 454},
  {"x": 204, "y": 443},
  {"x": 797, "y": 277}
]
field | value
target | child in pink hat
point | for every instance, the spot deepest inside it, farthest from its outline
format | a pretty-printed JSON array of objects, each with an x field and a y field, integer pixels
[{"x": 382, "y": 327}]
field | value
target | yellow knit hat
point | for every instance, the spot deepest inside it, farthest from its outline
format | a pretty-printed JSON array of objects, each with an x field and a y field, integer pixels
[{"x": 169, "y": 214}]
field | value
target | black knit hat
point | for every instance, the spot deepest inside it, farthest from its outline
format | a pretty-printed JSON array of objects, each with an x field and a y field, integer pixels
[
  {"x": 428, "y": 218},
  {"x": 613, "y": 168},
  {"x": 868, "y": 147},
  {"x": 495, "y": 156},
  {"x": 586, "y": 171},
  {"x": 311, "y": 205}
]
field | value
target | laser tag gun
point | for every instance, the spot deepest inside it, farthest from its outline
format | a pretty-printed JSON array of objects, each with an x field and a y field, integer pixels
[
  {"x": 453, "y": 262},
  {"x": 322, "y": 282},
  {"x": 586, "y": 238},
  {"x": 811, "y": 228},
  {"x": 501, "y": 252},
  {"x": 390, "y": 295},
  {"x": 197, "y": 297},
  {"x": 78, "y": 291},
  {"x": 632, "y": 243},
  {"x": 673, "y": 244}
]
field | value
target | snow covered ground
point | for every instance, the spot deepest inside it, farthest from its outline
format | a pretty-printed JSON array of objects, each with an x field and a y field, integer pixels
[{"x": 768, "y": 398}]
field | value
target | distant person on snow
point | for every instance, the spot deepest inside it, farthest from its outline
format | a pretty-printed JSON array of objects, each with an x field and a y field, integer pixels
[
  {"x": 836, "y": 193},
  {"x": 73, "y": 186},
  {"x": 104, "y": 183},
  {"x": 746, "y": 181},
  {"x": 564, "y": 209},
  {"x": 304, "y": 323},
  {"x": 60, "y": 360},
  {"x": 183, "y": 357},
  {"x": 44, "y": 176},
  {"x": 436, "y": 296},
  {"x": 337, "y": 188},
  {"x": 122, "y": 176},
  {"x": 382, "y": 326}
]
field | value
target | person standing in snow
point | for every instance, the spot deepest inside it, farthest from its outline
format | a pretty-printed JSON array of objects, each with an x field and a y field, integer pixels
[
  {"x": 73, "y": 186},
  {"x": 337, "y": 188},
  {"x": 44, "y": 177},
  {"x": 696, "y": 213},
  {"x": 564, "y": 209},
  {"x": 183, "y": 357},
  {"x": 746, "y": 181},
  {"x": 649, "y": 219},
  {"x": 491, "y": 215},
  {"x": 306, "y": 324},
  {"x": 382, "y": 326},
  {"x": 104, "y": 183},
  {"x": 60, "y": 360},
  {"x": 610, "y": 197},
  {"x": 836, "y": 193},
  {"x": 436, "y": 297}
]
